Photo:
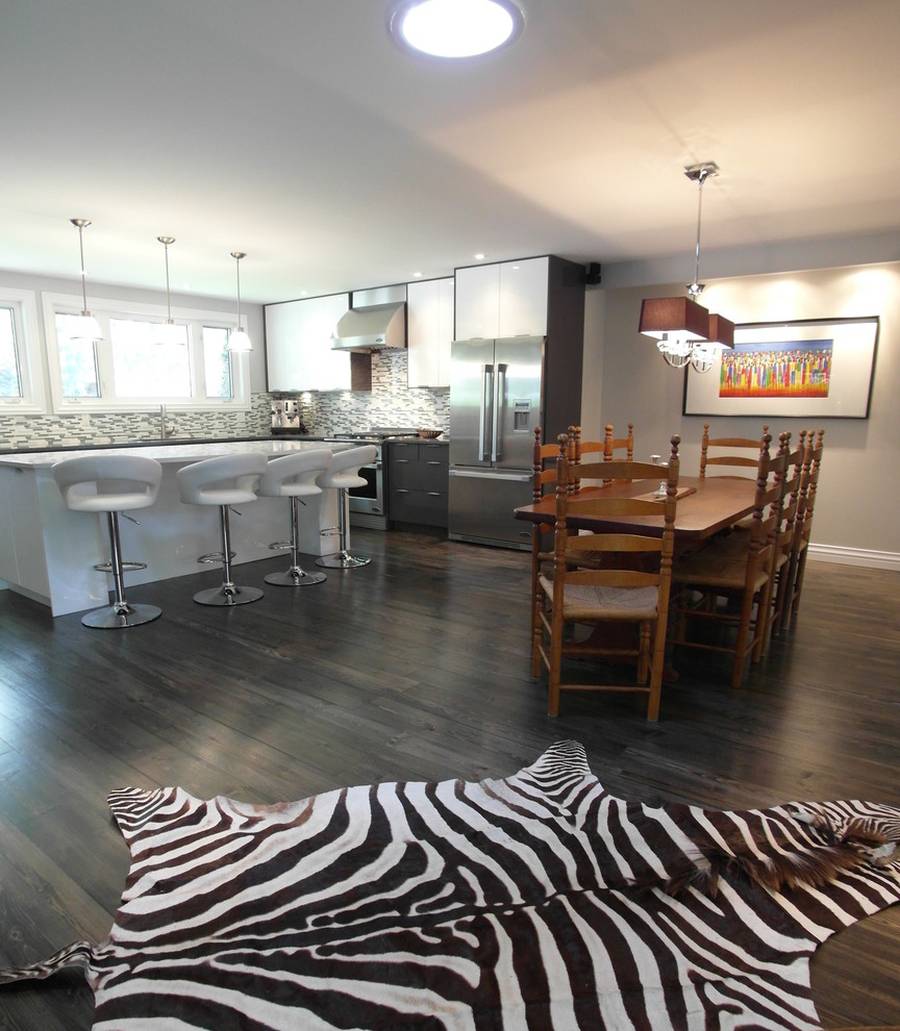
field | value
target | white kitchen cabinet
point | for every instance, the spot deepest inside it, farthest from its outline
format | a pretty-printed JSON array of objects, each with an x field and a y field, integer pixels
[
  {"x": 429, "y": 332},
  {"x": 299, "y": 355},
  {"x": 478, "y": 302},
  {"x": 505, "y": 299},
  {"x": 523, "y": 297}
]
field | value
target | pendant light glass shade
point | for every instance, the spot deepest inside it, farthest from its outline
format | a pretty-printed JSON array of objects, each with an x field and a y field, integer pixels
[
  {"x": 239, "y": 341},
  {"x": 83, "y": 326}
]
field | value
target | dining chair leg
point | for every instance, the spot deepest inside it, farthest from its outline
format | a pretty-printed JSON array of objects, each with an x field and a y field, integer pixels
[
  {"x": 657, "y": 667},
  {"x": 555, "y": 672},
  {"x": 536, "y": 600},
  {"x": 643, "y": 669},
  {"x": 798, "y": 584},
  {"x": 763, "y": 623},
  {"x": 743, "y": 639}
]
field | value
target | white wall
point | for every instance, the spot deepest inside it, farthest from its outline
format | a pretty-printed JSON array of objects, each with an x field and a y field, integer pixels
[
  {"x": 859, "y": 488},
  {"x": 253, "y": 312}
]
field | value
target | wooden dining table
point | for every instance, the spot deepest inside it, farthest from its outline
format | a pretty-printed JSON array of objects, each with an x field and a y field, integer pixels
[{"x": 716, "y": 503}]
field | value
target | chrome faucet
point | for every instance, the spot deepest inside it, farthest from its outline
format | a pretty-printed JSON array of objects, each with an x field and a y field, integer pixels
[{"x": 165, "y": 427}]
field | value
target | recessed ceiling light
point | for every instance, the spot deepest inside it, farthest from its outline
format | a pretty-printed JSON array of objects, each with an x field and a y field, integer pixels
[
  {"x": 479, "y": 257},
  {"x": 455, "y": 28},
  {"x": 303, "y": 293},
  {"x": 417, "y": 275},
  {"x": 515, "y": 268}
]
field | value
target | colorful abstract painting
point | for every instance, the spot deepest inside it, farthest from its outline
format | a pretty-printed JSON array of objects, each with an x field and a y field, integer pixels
[{"x": 792, "y": 368}]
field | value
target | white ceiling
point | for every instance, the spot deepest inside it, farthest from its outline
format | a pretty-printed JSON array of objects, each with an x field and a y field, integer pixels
[{"x": 296, "y": 131}]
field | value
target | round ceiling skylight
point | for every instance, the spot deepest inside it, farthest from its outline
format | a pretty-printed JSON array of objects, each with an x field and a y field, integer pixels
[{"x": 455, "y": 28}]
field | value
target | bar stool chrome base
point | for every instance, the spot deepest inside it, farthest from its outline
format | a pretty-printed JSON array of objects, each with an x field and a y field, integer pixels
[
  {"x": 228, "y": 596},
  {"x": 118, "y": 617},
  {"x": 343, "y": 560},
  {"x": 295, "y": 577}
]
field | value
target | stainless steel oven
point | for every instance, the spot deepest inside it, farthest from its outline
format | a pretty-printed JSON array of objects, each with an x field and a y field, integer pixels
[{"x": 366, "y": 503}]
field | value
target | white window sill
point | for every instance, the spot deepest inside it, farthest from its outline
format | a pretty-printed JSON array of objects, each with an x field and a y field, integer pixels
[{"x": 148, "y": 407}]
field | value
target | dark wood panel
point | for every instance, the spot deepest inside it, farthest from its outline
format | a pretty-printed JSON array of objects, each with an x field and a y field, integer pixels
[{"x": 414, "y": 667}]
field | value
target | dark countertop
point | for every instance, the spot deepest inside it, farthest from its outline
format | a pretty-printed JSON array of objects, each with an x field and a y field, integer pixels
[
  {"x": 188, "y": 440},
  {"x": 177, "y": 441}
]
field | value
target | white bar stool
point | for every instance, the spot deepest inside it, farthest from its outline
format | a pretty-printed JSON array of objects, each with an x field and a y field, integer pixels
[
  {"x": 294, "y": 477},
  {"x": 112, "y": 484},
  {"x": 341, "y": 475},
  {"x": 226, "y": 481}
]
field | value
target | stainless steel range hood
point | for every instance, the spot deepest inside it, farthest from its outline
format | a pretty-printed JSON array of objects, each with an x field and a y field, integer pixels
[{"x": 374, "y": 328}]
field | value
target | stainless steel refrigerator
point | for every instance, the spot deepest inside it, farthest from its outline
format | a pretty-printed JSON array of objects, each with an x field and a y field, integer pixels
[{"x": 495, "y": 405}]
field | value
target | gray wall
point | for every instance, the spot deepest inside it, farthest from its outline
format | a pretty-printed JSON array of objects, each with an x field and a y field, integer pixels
[{"x": 859, "y": 489}]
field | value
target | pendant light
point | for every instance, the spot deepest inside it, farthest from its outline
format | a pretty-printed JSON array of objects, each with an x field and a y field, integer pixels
[
  {"x": 238, "y": 339},
  {"x": 169, "y": 332},
  {"x": 83, "y": 326},
  {"x": 683, "y": 329}
]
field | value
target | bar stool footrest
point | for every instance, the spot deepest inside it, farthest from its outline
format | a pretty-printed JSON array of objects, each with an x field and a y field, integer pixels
[
  {"x": 127, "y": 567},
  {"x": 280, "y": 546},
  {"x": 214, "y": 558}
]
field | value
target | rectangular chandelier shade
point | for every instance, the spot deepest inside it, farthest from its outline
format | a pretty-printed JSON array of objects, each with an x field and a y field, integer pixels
[
  {"x": 721, "y": 330},
  {"x": 662, "y": 316}
]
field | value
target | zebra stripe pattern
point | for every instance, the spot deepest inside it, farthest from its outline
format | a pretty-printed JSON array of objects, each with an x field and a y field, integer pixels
[{"x": 539, "y": 900}]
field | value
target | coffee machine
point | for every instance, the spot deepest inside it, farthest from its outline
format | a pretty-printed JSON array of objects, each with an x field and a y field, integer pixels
[{"x": 286, "y": 416}]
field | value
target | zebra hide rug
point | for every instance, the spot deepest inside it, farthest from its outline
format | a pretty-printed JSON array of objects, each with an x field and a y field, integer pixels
[{"x": 536, "y": 901}]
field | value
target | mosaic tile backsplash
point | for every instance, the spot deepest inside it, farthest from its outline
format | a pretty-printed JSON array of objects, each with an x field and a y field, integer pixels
[
  {"x": 390, "y": 403},
  {"x": 35, "y": 431}
]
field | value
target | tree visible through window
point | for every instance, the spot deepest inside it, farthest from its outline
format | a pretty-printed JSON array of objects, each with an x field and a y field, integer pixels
[
  {"x": 217, "y": 362},
  {"x": 144, "y": 367}
]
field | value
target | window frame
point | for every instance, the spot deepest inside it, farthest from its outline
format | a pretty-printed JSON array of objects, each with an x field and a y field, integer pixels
[
  {"x": 29, "y": 353},
  {"x": 105, "y": 309}
]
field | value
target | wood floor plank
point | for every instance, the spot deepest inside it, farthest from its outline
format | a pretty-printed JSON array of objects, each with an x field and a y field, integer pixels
[{"x": 416, "y": 667}]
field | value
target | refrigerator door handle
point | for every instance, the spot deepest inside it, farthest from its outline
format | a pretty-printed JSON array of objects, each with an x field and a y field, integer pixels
[
  {"x": 499, "y": 403},
  {"x": 485, "y": 420}
]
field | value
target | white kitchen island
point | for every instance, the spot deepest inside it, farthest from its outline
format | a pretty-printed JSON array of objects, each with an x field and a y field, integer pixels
[{"x": 48, "y": 552}]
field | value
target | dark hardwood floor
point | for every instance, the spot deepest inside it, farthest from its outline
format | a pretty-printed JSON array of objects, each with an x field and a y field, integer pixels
[{"x": 415, "y": 667}]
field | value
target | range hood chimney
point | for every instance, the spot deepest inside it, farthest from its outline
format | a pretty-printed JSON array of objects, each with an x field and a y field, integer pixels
[{"x": 375, "y": 321}]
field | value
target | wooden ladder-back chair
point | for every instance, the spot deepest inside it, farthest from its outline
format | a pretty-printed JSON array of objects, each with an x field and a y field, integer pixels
[
  {"x": 812, "y": 464},
  {"x": 737, "y": 567},
  {"x": 618, "y": 592},
  {"x": 607, "y": 448},
  {"x": 543, "y": 481},
  {"x": 786, "y": 533},
  {"x": 738, "y": 461}
]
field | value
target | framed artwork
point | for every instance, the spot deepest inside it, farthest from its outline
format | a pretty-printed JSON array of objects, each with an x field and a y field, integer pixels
[{"x": 811, "y": 369}]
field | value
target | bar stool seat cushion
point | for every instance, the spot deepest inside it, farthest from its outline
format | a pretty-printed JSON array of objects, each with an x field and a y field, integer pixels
[
  {"x": 229, "y": 480},
  {"x": 108, "y": 483},
  {"x": 294, "y": 476},
  {"x": 343, "y": 473}
]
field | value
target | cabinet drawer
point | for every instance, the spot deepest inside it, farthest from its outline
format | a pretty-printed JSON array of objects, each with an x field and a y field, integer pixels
[
  {"x": 428, "y": 508},
  {"x": 434, "y": 471}
]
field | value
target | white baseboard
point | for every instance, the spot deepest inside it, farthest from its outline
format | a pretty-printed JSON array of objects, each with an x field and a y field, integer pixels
[{"x": 855, "y": 556}]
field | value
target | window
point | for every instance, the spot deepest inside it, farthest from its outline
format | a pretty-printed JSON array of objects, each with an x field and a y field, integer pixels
[
  {"x": 21, "y": 381},
  {"x": 77, "y": 362},
  {"x": 144, "y": 366},
  {"x": 10, "y": 377},
  {"x": 141, "y": 362},
  {"x": 216, "y": 362}
]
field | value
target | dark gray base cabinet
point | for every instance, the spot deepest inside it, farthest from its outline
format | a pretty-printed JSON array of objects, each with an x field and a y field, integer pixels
[{"x": 418, "y": 483}]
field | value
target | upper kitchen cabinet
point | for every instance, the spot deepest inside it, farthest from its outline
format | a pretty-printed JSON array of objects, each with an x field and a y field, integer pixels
[
  {"x": 429, "y": 312},
  {"x": 524, "y": 291},
  {"x": 505, "y": 299},
  {"x": 299, "y": 354}
]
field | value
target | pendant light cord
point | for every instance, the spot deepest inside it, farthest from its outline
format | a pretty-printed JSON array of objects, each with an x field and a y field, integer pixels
[
  {"x": 84, "y": 306},
  {"x": 700, "y": 183},
  {"x": 238, "y": 264},
  {"x": 168, "y": 294}
]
